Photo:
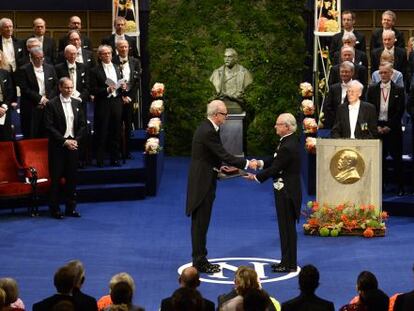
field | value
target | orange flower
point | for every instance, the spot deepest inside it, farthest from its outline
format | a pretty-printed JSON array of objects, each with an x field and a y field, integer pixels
[
  {"x": 313, "y": 222},
  {"x": 344, "y": 218},
  {"x": 384, "y": 215},
  {"x": 368, "y": 233}
]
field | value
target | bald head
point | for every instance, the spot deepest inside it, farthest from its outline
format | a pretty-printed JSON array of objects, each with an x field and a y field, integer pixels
[{"x": 189, "y": 278}]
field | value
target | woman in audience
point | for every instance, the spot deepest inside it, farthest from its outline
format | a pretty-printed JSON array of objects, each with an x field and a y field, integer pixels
[
  {"x": 370, "y": 297},
  {"x": 105, "y": 301},
  {"x": 121, "y": 296},
  {"x": 397, "y": 76},
  {"x": 12, "y": 301}
]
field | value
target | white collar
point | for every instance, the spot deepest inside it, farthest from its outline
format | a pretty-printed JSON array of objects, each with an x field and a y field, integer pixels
[
  {"x": 354, "y": 106},
  {"x": 216, "y": 127}
]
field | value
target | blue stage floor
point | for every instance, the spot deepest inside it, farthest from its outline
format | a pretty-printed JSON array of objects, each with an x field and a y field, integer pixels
[{"x": 150, "y": 239}]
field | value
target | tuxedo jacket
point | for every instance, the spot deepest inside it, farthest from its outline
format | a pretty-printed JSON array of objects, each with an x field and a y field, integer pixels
[
  {"x": 360, "y": 58},
  {"x": 48, "y": 303},
  {"x": 8, "y": 90},
  {"x": 336, "y": 41},
  {"x": 64, "y": 41},
  {"x": 360, "y": 74},
  {"x": 396, "y": 103},
  {"x": 135, "y": 76},
  {"x": 376, "y": 39},
  {"x": 87, "y": 302},
  {"x": 55, "y": 122},
  {"x": 308, "y": 302},
  {"x": 29, "y": 87},
  {"x": 19, "y": 50},
  {"x": 82, "y": 78},
  {"x": 49, "y": 50},
  {"x": 166, "y": 305},
  {"x": 286, "y": 165},
  {"x": 404, "y": 302},
  {"x": 400, "y": 60},
  {"x": 98, "y": 86},
  {"x": 333, "y": 100},
  {"x": 88, "y": 59},
  {"x": 207, "y": 153},
  {"x": 133, "y": 50},
  {"x": 366, "y": 126}
]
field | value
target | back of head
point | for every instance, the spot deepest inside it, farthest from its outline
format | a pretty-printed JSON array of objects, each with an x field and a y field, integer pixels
[
  {"x": 121, "y": 293},
  {"x": 77, "y": 269},
  {"x": 187, "y": 299},
  {"x": 122, "y": 307},
  {"x": 246, "y": 278},
  {"x": 64, "y": 305},
  {"x": 190, "y": 278},
  {"x": 122, "y": 277},
  {"x": 256, "y": 299},
  {"x": 11, "y": 290},
  {"x": 64, "y": 280},
  {"x": 308, "y": 279},
  {"x": 2, "y": 298},
  {"x": 366, "y": 281}
]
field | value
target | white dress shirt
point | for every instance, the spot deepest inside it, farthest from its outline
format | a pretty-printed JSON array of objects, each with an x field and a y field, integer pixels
[
  {"x": 8, "y": 51},
  {"x": 353, "y": 117},
  {"x": 384, "y": 99},
  {"x": 79, "y": 57},
  {"x": 40, "y": 77},
  {"x": 110, "y": 73},
  {"x": 69, "y": 116}
]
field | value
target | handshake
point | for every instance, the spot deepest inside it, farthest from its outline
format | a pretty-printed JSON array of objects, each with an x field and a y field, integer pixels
[{"x": 233, "y": 171}]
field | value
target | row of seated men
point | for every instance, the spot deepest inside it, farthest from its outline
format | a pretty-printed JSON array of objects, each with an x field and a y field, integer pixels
[
  {"x": 386, "y": 42},
  {"x": 35, "y": 67}
]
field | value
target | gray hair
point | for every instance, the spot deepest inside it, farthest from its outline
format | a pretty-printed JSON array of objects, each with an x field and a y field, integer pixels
[
  {"x": 347, "y": 64},
  {"x": 61, "y": 83},
  {"x": 122, "y": 277},
  {"x": 70, "y": 32},
  {"x": 348, "y": 48},
  {"x": 76, "y": 265},
  {"x": 349, "y": 36},
  {"x": 32, "y": 40},
  {"x": 357, "y": 84},
  {"x": 387, "y": 65},
  {"x": 103, "y": 46},
  {"x": 390, "y": 13},
  {"x": 290, "y": 121},
  {"x": 70, "y": 47},
  {"x": 121, "y": 41},
  {"x": 388, "y": 32},
  {"x": 36, "y": 50},
  {"x": 214, "y": 106},
  {"x": 3, "y": 20}
]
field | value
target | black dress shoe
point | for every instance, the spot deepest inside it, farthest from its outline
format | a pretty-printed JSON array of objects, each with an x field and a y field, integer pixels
[
  {"x": 56, "y": 215},
  {"x": 115, "y": 163},
  {"x": 282, "y": 269},
  {"x": 207, "y": 268},
  {"x": 72, "y": 214},
  {"x": 276, "y": 265}
]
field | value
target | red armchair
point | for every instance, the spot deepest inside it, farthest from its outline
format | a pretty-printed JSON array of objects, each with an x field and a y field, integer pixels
[{"x": 12, "y": 184}]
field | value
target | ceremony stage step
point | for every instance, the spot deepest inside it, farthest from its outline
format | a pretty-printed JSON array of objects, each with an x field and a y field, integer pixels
[
  {"x": 111, "y": 192},
  {"x": 398, "y": 206}
]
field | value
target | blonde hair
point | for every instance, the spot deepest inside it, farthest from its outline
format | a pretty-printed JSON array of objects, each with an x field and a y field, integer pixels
[
  {"x": 122, "y": 277},
  {"x": 245, "y": 279}
]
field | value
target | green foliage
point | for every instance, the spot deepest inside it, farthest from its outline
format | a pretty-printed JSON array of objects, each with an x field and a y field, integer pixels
[{"x": 187, "y": 42}]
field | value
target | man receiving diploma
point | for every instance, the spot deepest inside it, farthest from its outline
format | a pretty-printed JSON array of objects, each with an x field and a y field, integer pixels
[{"x": 207, "y": 155}]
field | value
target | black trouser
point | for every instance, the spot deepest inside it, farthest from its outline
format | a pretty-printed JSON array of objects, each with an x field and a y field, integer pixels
[
  {"x": 127, "y": 121},
  {"x": 392, "y": 144},
  {"x": 286, "y": 220},
  {"x": 200, "y": 220},
  {"x": 108, "y": 115},
  {"x": 62, "y": 163}
]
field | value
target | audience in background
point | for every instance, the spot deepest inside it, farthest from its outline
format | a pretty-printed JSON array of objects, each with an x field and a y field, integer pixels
[
  {"x": 388, "y": 22},
  {"x": 11, "y": 290},
  {"x": 405, "y": 302},
  {"x": 257, "y": 299},
  {"x": 121, "y": 295}
]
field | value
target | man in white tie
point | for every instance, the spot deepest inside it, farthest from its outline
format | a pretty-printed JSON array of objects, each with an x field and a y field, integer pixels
[
  {"x": 46, "y": 43},
  {"x": 389, "y": 99},
  {"x": 12, "y": 48},
  {"x": 38, "y": 84},
  {"x": 75, "y": 23},
  {"x": 66, "y": 127}
]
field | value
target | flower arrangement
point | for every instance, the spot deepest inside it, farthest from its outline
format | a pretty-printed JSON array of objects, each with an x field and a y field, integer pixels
[
  {"x": 152, "y": 145},
  {"x": 157, "y": 107},
  {"x": 306, "y": 89},
  {"x": 310, "y": 144},
  {"x": 154, "y": 126},
  {"x": 328, "y": 16},
  {"x": 157, "y": 90},
  {"x": 344, "y": 219},
  {"x": 310, "y": 126},
  {"x": 308, "y": 108}
]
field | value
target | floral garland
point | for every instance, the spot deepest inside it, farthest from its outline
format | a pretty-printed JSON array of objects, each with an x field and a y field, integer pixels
[
  {"x": 310, "y": 127},
  {"x": 343, "y": 219},
  {"x": 152, "y": 145}
]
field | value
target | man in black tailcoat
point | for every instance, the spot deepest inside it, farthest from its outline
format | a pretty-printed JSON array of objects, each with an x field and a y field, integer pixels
[
  {"x": 284, "y": 169},
  {"x": 357, "y": 119},
  {"x": 389, "y": 100},
  {"x": 7, "y": 96},
  {"x": 66, "y": 126},
  {"x": 207, "y": 155}
]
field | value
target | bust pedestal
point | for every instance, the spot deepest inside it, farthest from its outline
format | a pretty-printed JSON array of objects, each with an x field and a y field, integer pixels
[{"x": 231, "y": 133}]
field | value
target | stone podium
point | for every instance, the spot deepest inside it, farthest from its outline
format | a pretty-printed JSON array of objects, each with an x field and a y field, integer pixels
[
  {"x": 349, "y": 170},
  {"x": 231, "y": 133}
]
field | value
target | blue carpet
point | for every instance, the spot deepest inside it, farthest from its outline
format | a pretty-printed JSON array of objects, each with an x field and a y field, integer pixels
[{"x": 150, "y": 239}]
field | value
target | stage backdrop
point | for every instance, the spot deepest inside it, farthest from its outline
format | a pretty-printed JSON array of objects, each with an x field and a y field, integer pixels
[{"x": 187, "y": 43}]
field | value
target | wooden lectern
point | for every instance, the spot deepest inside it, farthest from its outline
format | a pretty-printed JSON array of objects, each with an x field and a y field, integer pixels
[{"x": 349, "y": 170}]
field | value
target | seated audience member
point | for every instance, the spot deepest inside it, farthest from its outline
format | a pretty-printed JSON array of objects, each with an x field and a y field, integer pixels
[
  {"x": 399, "y": 54},
  {"x": 187, "y": 299},
  {"x": 307, "y": 300},
  {"x": 337, "y": 93},
  {"x": 397, "y": 76},
  {"x": 245, "y": 279},
  {"x": 370, "y": 297},
  {"x": 361, "y": 58},
  {"x": 360, "y": 71},
  {"x": 63, "y": 281},
  {"x": 189, "y": 278},
  {"x": 105, "y": 301},
  {"x": 405, "y": 302},
  {"x": 257, "y": 299},
  {"x": 87, "y": 302},
  {"x": 11, "y": 290},
  {"x": 121, "y": 294},
  {"x": 388, "y": 21},
  {"x": 357, "y": 119}
]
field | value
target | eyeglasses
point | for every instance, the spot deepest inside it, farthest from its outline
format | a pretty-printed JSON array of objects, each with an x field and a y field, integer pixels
[{"x": 222, "y": 113}]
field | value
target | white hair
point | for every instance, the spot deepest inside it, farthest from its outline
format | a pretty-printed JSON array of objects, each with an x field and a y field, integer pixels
[
  {"x": 290, "y": 121},
  {"x": 3, "y": 20}
]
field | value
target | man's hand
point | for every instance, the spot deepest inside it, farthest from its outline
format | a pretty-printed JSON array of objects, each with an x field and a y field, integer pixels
[
  {"x": 250, "y": 176},
  {"x": 2, "y": 111},
  {"x": 111, "y": 89},
  {"x": 253, "y": 164},
  {"x": 126, "y": 99},
  {"x": 71, "y": 144}
]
